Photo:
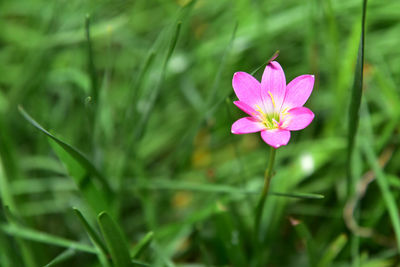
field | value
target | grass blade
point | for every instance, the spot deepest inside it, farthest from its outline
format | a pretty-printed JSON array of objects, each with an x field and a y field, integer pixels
[
  {"x": 143, "y": 244},
  {"x": 115, "y": 240},
  {"x": 90, "y": 62},
  {"x": 172, "y": 45},
  {"x": 142, "y": 124},
  {"x": 79, "y": 167},
  {"x": 231, "y": 93},
  {"x": 355, "y": 102},
  {"x": 37, "y": 236},
  {"x": 305, "y": 234},
  {"x": 140, "y": 264},
  {"x": 225, "y": 227},
  {"x": 5, "y": 188},
  {"x": 214, "y": 188},
  {"x": 6, "y": 254},
  {"x": 298, "y": 195},
  {"x": 213, "y": 91},
  {"x": 383, "y": 185},
  {"x": 25, "y": 248},
  {"x": 8, "y": 169},
  {"x": 217, "y": 103},
  {"x": 63, "y": 256},
  {"x": 96, "y": 198},
  {"x": 273, "y": 57},
  {"x": 353, "y": 121},
  {"x": 79, "y": 156},
  {"x": 134, "y": 91},
  {"x": 94, "y": 237},
  {"x": 212, "y": 102},
  {"x": 332, "y": 251},
  {"x": 154, "y": 95},
  {"x": 91, "y": 232}
]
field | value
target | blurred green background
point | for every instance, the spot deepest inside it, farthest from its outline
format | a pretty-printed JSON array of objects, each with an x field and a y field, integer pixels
[{"x": 147, "y": 98}]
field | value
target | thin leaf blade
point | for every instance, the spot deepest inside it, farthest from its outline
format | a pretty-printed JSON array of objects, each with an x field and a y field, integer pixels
[
  {"x": 41, "y": 237},
  {"x": 143, "y": 244},
  {"x": 115, "y": 240},
  {"x": 79, "y": 167},
  {"x": 94, "y": 237}
]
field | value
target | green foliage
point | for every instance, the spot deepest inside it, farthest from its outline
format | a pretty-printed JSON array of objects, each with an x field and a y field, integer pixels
[
  {"x": 142, "y": 245},
  {"x": 115, "y": 240},
  {"x": 132, "y": 101},
  {"x": 95, "y": 238},
  {"x": 31, "y": 234},
  {"x": 79, "y": 167}
]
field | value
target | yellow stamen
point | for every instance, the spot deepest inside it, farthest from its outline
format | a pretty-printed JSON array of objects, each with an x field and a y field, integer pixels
[
  {"x": 272, "y": 98},
  {"x": 268, "y": 124},
  {"x": 273, "y": 125},
  {"x": 259, "y": 110},
  {"x": 270, "y": 120},
  {"x": 284, "y": 112}
]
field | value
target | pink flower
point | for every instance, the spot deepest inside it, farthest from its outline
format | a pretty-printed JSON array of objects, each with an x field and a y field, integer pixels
[{"x": 274, "y": 108}]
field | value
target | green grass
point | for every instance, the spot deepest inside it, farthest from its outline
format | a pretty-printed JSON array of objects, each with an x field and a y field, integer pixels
[{"x": 115, "y": 143}]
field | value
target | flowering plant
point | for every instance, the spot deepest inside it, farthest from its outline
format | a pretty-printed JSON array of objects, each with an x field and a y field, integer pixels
[{"x": 275, "y": 108}]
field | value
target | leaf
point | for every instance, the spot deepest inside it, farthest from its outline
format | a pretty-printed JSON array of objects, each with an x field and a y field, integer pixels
[
  {"x": 231, "y": 241},
  {"x": 143, "y": 244},
  {"x": 273, "y": 57},
  {"x": 90, "y": 62},
  {"x": 154, "y": 94},
  {"x": 134, "y": 90},
  {"x": 353, "y": 121},
  {"x": 63, "y": 256},
  {"x": 7, "y": 198},
  {"x": 140, "y": 263},
  {"x": 298, "y": 195},
  {"x": 93, "y": 195},
  {"x": 355, "y": 102},
  {"x": 37, "y": 236},
  {"x": 229, "y": 95},
  {"x": 213, "y": 91},
  {"x": 94, "y": 237},
  {"x": 384, "y": 187},
  {"x": 305, "y": 234},
  {"x": 139, "y": 131},
  {"x": 53, "y": 184},
  {"x": 332, "y": 251},
  {"x": 79, "y": 167},
  {"x": 163, "y": 184},
  {"x": 5, "y": 192},
  {"x": 7, "y": 253},
  {"x": 116, "y": 243}
]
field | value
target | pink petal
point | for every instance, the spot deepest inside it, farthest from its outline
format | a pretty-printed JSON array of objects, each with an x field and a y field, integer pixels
[
  {"x": 273, "y": 83},
  {"x": 298, "y": 118},
  {"x": 298, "y": 91},
  {"x": 247, "y": 125},
  {"x": 276, "y": 138},
  {"x": 247, "y": 88},
  {"x": 246, "y": 108}
]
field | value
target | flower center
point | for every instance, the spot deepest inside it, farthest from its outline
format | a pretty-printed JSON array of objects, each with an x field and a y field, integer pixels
[{"x": 270, "y": 120}]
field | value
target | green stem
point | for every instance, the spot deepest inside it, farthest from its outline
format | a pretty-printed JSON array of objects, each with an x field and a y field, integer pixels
[{"x": 261, "y": 202}]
